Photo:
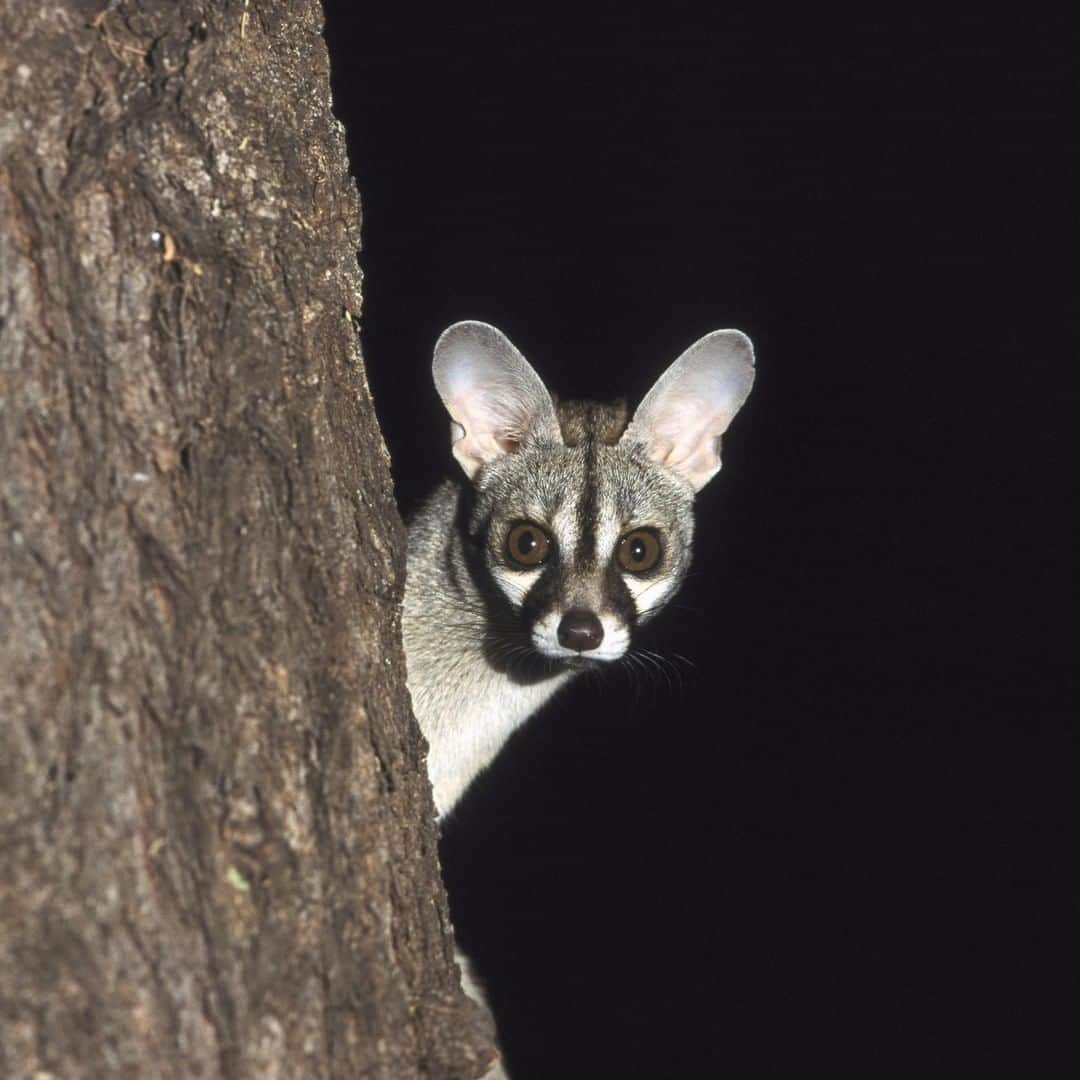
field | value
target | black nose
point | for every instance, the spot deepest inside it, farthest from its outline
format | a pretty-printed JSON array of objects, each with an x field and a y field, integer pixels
[{"x": 580, "y": 630}]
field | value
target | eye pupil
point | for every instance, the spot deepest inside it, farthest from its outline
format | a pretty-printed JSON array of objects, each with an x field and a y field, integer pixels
[
  {"x": 637, "y": 549},
  {"x": 526, "y": 542}
]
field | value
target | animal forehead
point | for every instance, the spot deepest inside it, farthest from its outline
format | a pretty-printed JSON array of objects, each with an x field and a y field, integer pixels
[{"x": 579, "y": 487}]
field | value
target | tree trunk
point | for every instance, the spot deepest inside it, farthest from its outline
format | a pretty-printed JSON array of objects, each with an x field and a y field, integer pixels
[{"x": 218, "y": 849}]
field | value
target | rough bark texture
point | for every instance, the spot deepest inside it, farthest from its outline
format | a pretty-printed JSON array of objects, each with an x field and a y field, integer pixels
[{"x": 218, "y": 851}]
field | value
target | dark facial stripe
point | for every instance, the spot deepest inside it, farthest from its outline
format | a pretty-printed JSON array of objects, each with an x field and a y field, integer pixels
[
  {"x": 618, "y": 598},
  {"x": 589, "y": 504},
  {"x": 544, "y": 594}
]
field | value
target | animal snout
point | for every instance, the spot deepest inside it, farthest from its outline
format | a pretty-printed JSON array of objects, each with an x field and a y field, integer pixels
[{"x": 580, "y": 630}]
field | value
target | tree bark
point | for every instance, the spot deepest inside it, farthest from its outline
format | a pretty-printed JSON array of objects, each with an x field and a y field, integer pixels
[{"x": 218, "y": 848}]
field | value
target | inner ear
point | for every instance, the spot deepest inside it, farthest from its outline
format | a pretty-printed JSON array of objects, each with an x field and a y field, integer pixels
[
  {"x": 495, "y": 399},
  {"x": 682, "y": 417}
]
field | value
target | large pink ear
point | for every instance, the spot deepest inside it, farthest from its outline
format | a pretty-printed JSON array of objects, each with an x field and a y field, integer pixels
[
  {"x": 682, "y": 417},
  {"x": 496, "y": 401}
]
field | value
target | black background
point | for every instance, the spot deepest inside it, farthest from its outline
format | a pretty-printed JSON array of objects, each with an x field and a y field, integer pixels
[{"x": 842, "y": 833}]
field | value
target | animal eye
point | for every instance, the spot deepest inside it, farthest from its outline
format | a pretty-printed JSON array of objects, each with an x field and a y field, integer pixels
[
  {"x": 639, "y": 551},
  {"x": 527, "y": 544}
]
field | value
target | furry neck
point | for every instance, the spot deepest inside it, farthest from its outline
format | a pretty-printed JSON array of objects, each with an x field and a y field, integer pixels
[{"x": 472, "y": 681}]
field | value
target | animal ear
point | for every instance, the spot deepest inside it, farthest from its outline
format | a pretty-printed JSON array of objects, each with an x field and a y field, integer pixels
[
  {"x": 682, "y": 417},
  {"x": 496, "y": 402}
]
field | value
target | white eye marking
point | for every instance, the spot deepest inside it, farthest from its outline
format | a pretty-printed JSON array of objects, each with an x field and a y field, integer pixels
[
  {"x": 515, "y": 584},
  {"x": 565, "y": 529},
  {"x": 650, "y": 594},
  {"x": 607, "y": 536}
]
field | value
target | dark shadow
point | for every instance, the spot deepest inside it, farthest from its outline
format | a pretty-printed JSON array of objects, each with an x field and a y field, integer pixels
[{"x": 845, "y": 838}]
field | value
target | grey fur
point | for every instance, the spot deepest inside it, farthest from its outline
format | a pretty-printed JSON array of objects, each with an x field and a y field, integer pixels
[{"x": 481, "y": 634}]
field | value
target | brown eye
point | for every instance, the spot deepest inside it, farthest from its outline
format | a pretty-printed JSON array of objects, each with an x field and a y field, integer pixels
[
  {"x": 639, "y": 551},
  {"x": 527, "y": 544}
]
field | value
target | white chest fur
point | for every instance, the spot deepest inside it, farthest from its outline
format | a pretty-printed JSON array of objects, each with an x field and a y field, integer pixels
[{"x": 467, "y": 710}]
